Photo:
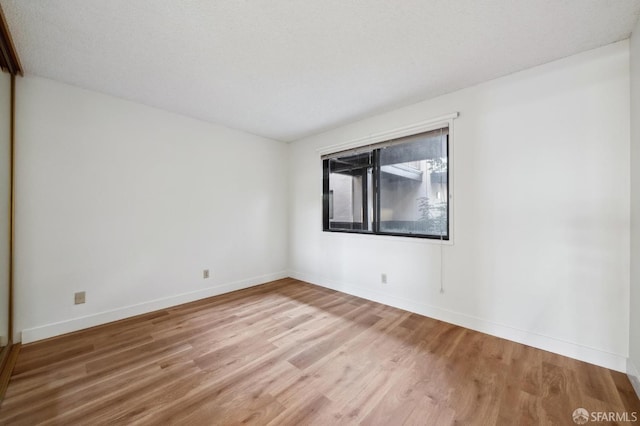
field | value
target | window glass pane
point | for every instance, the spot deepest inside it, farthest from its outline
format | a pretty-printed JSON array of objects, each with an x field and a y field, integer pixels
[
  {"x": 399, "y": 186},
  {"x": 414, "y": 187},
  {"x": 350, "y": 195}
]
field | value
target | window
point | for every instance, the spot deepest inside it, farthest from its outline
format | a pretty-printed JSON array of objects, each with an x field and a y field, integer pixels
[{"x": 396, "y": 187}]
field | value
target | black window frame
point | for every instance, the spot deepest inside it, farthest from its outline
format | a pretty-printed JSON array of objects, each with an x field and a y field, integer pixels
[{"x": 376, "y": 176}]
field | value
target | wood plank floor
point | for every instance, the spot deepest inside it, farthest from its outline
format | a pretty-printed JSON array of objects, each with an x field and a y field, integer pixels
[{"x": 290, "y": 353}]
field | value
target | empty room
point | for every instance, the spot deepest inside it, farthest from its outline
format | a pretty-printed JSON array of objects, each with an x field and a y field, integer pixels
[{"x": 411, "y": 212}]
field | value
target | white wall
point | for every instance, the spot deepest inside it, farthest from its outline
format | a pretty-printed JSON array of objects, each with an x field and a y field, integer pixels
[
  {"x": 541, "y": 212},
  {"x": 130, "y": 204},
  {"x": 634, "y": 332},
  {"x": 5, "y": 203}
]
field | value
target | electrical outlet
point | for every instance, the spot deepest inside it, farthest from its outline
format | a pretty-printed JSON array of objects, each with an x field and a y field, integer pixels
[
  {"x": 205, "y": 274},
  {"x": 79, "y": 297},
  {"x": 383, "y": 278}
]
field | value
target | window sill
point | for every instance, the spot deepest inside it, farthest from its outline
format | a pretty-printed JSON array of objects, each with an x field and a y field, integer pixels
[{"x": 385, "y": 237}]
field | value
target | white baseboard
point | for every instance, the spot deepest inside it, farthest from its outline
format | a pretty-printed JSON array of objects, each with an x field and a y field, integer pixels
[
  {"x": 55, "y": 329},
  {"x": 634, "y": 376},
  {"x": 547, "y": 343}
]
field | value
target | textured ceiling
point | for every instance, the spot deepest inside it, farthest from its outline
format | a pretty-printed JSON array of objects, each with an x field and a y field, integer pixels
[{"x": 285, "y": 69}]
